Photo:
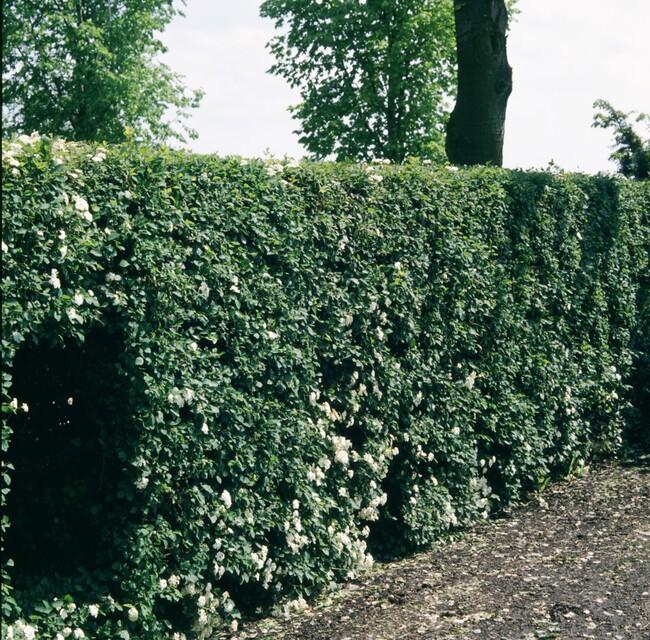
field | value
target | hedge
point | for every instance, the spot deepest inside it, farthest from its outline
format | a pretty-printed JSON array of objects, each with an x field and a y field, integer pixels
[{"x": 227, "y": 383}]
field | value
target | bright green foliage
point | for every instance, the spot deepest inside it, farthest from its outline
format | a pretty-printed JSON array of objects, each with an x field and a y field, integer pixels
[
  {"x": 631, "y": 151},
  {"x": 239, "y": 374},
  {"x": 86, "y": 70},
  {"x": 373, "y": 76}
]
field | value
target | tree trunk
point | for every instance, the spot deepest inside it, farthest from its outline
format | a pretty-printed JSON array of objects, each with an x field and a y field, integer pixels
[{"x": 476, "y": 127}]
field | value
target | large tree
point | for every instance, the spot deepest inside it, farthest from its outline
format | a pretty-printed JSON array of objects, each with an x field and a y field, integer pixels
[
  {"x": 375, "y": 77},
  {"x": 476, "y": 127},
  {"x": 87, "y": 70}
]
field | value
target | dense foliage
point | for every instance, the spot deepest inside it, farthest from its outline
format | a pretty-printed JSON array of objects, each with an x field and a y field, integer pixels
[
  {"x": 227, "y": 381},
  {"x": 87, "y": 70}
]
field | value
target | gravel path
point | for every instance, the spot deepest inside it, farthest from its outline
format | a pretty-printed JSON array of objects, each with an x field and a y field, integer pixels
[{"x": 572, "y": 564}]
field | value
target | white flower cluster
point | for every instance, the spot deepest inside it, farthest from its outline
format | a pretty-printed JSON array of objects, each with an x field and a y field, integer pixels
[
  {"x": 316, "y": 474},
  {"x": 20, "y": 630},
  {"x": 210, "y": 608},
  {"x": 293, "y": 528},
  {"x": 14, "y": 150},
  {"x": 353, "y": 548},
  {"x": 373, "y": 176},
  {"x": 470, "y": 380},
  {"x": 180, "y": 397},
  {"x": 82, "y": 207},
  {"x": 99, "y": 155},
  {"x": 341, "y": 446},
  {"x": 371, "y": 511},
  {"x": 13, "y": 404}
]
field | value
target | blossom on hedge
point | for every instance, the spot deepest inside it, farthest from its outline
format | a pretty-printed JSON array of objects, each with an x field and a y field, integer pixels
[
  {"x": 173, "y": 581},
  {"x": 74, "y": 316},
  {"x": 133, "y": 614},
  {"x": 54, "y": 280},
  {"x": 341, "y": 446},
  {"x": 93, "y": 610},
  {"x": 226, "y": 498},
  {"x": 82, "y": 207}
]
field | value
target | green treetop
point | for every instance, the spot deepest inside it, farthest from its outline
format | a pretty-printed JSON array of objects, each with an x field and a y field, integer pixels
[
  {"x": 87, "y": 70},
  {"x": 375, "y": 77}
]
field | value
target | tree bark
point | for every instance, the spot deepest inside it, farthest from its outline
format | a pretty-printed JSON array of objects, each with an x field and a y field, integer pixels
[{"x": 476, "y": 127}]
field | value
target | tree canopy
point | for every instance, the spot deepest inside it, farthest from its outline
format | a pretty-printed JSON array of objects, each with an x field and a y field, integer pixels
[
  {"x": 87, "y": 70},
  {"x": 375, "y": 77}
]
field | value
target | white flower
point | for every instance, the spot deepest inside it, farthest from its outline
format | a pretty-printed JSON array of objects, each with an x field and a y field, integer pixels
[
  {"x": 272, "y": 335},
  {"x": 81, "y": 205},
  {"x": 133, "y": 614},
  {"x": 226, "y": 499},
  {"x": 142, "y": 483},
  {"x": 346, "y": 321},
  {"x": 93, "y": 610},
  {"x": 100, "y": 155},
  {"x": 194, "y": 346},
  {"x": 63, "y": 250},
  {"x": 296, "y": 505},
  {"x": 342, "y": 457},
  {"x": 78, "y": 633},
  {"x": 14, "y": 404},
  {"x": 205, "y": 429},
  {"x": 234, "y": 625},
  {"x": 204, "y": 290},
  {"x": 70, "y": 401},
  {"x": 5, "y": 248},
  {"x": 54, "y": 280},
  {"x": 201, "y": 601},
  {"x": 139, "y": 361},
  {"x": 375, "y": 177},
  {"x": 25, "y": 407},
  {"x": 162, "y": 583},
  {"x": 73, "y": 316},
  {"x": 469, "y": 381},
  {"x": 124, "y": 634},
  {"x": 174, "y": 581}
]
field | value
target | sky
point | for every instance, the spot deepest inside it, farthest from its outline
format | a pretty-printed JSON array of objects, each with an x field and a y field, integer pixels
[{"x": 565, "y": 54}]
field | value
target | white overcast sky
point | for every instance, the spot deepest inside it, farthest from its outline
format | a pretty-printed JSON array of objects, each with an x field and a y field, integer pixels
[{"x": 565, "y": 54}]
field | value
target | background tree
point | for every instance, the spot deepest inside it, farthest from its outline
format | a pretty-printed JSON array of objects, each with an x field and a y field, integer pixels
[
  {"x": 87, "y": 70},
  {"x": 631, "y": 152},
  {"x": 375, "y": 77},
  {"x": 476, "y": 128}
]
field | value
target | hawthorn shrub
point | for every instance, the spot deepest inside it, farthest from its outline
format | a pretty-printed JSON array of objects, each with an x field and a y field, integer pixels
[{"x": 226, "y": 382}]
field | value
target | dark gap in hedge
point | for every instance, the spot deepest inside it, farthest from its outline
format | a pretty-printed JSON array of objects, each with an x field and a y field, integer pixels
[{"x": 68, "y": 477}]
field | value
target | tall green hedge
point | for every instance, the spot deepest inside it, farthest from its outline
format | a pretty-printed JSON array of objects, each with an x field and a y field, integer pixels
[{"x": 226, "y": 381}]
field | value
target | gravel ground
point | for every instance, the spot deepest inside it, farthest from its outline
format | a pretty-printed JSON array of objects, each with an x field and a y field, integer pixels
[{"x": 573, "y": 563}]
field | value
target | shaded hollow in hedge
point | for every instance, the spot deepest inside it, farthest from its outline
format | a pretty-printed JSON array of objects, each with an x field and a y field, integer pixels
[{"x": 67, "y": 474}]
